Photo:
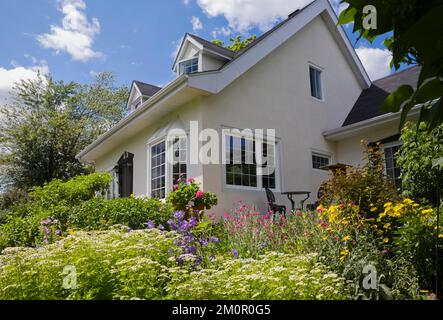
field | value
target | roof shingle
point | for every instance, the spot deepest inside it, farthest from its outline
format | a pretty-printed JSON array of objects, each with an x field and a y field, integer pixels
[
  {"x": 369, "y": 103},
  {"x": 147, "y": 89}
]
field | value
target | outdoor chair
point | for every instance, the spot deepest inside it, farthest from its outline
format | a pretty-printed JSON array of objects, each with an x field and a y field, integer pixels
[{"x": 273, "y": 207}]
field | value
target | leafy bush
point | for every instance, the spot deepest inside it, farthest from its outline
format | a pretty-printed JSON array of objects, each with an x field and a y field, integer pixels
[
  {"x": 419, "y": 149},
  {"x": 365, "y": 187},
  {"x": 100, "y": 214},
  {"x": 274, "y": 276},
  {"x": 12, "y": 197},
  {"x": 188, "y": 197},
  {"x": 115, "y": 264}
]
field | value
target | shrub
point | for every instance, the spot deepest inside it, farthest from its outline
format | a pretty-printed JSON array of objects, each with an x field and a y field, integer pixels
[
  {"x": 420, "y": 147},
  {"x": 115, "y": 264},
  {"x": 365, "y": 187},
  {"x": 12, "y": 197},
  {"x": 188, "y": 197},
  {"x": 274, "y": 276},
  {"x": 100, "y": 214}
]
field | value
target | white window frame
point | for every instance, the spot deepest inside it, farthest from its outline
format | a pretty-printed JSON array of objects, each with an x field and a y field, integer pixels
[
  {"x": 186, "y": 60},
  {"x": 169, "y": 184},
  {"x": 322, "y": 89},
  {"x": 321, "y": 154},
  {"x": 259, "y": 187},
  {"x": 114, "y": 187},
  {"x": 387, "y": 146}
]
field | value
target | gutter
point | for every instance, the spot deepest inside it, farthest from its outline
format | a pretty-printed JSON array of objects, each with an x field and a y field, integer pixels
[
  {"x": 144, "y": 107},
  {"x": 350, "y": 130}
]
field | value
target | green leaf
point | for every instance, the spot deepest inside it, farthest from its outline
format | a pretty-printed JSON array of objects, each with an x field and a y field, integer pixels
[
  {"x": 347, "y": 16},
  {"x": 395, "y": 100},
  {"x": 429, "y": 91}
]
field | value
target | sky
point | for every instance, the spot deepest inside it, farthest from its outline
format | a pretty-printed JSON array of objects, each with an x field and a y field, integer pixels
[{"x": 73, "y": 40}]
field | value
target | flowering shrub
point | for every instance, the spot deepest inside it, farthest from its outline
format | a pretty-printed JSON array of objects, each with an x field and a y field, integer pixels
[
  {"x": 365, "y": 187},
  {"x": 114, "y": 264},
  {"x": 273, "y": 276},
  {"x": 187, "y": 197}
]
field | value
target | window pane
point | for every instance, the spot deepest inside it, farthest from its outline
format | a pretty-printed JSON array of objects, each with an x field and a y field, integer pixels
[
  {"x": 393, "y": 170},
  {"x": 319, "y": 161},
  {"x": 189, "y": 66},
  {"x": 179, "y": 168},
  {"x": 315, "y": 79},
  {"x": 158, "y": 170}
]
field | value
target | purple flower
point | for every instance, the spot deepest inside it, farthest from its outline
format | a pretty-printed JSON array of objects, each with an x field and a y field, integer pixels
[
  {"x": 197, "y": 262},
  {"x": 191, "y": 249},
  {"x": 235, "y": 253},
  {"x": 172, "y": 224},
  {"x": 161, "y": 227},
  {"x": 264, "y": 245},
  {"x": 150, "y": 224},
  {"x": 58, "y": 232},
  {"x": 215, "y": 240},
  {"x": 46, "y": 222},
  {"x": 204, "y": 242},
  {"x": 184, "y": 226},
  {"x": 179, "y": 215},
  {"x": 211, "y": 257},
  {"x": 193, "y": 222}
]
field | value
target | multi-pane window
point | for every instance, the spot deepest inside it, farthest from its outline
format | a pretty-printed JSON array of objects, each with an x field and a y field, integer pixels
[
  {"x": 316, "y": 86},
  {"x": 268, "y": 178},
  {"x": 158, "y": 170},
  {"x": 320, "y": 161},
  {"x": 393, "y": 170},
  {"x": 241, "y": 169},
  {"x": 179, "y": 159},
  {"x": 189, "y": 66}
]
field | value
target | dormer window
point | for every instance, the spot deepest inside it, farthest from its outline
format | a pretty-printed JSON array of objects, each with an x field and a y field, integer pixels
[
  {"x": 138, "y": 102},
  {"x": 188, "y": 66}
]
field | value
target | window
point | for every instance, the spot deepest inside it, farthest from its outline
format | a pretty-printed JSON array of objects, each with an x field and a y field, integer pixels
[
  {"x": 319, "y": 161},
  {"x": 113, "y": 192},
  {"x": 179, "y": 159},
  {"x": 316, "y": 88},
  {"x": 158, "y": 170},
  {"x": 137, "y": 103},
  {"x": 393, "y": 170},
  {"x": 126, "y": 175},
  {"x": 188, "y": 66},
  {"x": 241, "y": 166},
  {"x": 241, "y": 169}
]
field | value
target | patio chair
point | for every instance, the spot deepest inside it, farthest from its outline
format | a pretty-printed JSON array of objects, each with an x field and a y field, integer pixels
[{"x": 273, "y": 207}]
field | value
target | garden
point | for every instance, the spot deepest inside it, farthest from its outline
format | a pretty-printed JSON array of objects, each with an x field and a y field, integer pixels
[{"x": 365, "y": 240}]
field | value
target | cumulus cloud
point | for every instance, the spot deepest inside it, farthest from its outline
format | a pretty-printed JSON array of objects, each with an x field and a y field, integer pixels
[
  {"x": 243, "y": 15},
  {"x": 376, "y": 61},
  {"x": 76, "y": 35},
  {"x": 196, "y": 24},
  {"x": 221, "y": 31},
  {"x": 8, "y": 77}
]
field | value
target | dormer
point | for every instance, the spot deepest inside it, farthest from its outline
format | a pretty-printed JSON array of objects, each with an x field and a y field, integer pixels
[
  {"x": 198, "y": 55},
  {"x": 140, "y": 93}
]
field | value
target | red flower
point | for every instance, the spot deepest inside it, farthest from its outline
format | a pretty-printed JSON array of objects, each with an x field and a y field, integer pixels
[{"x": 199, "y": 194}]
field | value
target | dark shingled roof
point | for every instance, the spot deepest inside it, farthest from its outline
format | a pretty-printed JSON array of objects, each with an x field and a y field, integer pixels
[
  {"x": 214, "y": 47},
  {"x": 147, "y": 89},
  {"x": 369, "y": 103}
]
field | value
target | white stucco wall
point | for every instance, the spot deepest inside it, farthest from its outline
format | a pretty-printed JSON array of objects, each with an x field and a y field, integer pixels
[{"x": 276, "y": 94}]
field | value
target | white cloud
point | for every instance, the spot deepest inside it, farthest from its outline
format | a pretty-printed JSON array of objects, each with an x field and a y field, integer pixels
[
  {"x": 376, "y": 61},
  {"x": 243, "y": 15},
  {"x": 8, "y": 77},
  {"x": 196, "y": 24},
  {"x": 186, "y": 2},
  {"x": 76, "y": 35},
  {"x": 221, "y": 31}
]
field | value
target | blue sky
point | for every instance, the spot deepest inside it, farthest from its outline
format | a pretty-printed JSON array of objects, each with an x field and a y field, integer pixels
[{"x": 135, "y": 39}]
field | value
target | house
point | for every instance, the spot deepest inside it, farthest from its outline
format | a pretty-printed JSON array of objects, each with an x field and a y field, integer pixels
[{"x": 302, "y": 79}]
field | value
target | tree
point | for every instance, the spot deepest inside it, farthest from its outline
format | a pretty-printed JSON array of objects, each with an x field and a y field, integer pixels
[
  {"x": 236, "y": 43},
  {"x": 420, "y": 148},
  {"x": 416, "y": 39},
  {"x": 49, "y": 122}
]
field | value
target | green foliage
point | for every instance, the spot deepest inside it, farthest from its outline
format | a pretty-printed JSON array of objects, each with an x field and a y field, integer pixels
[
  {"x": 116, "y": 264},
  {"x": 188, "y": 197},
  {"x": 100, "y": 214},
  {"x": 49, "y": 122},
  {"x": 416, "y": 39},
  {"x": 237, "y": 43},
  {"x": 274, "y": 276},
  {"x": 11, "y": 198},
  {"x": 420, "y": 148},
  {"x": 366, "y": 187}
]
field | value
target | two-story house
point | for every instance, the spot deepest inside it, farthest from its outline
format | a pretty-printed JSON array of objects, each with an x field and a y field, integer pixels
[{"x": 301, "y": 78}]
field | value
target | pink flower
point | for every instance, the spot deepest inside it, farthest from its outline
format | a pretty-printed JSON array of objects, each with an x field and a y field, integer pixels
[
  {"x": 175, "y": 187},
  {"x": 199, "y": 194},
  {"x": 191, "y": 180}
]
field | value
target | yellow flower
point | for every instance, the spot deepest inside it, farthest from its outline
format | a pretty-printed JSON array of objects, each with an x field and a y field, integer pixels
[
  {"x": 427, "y": 212},
  {"x": 385, "y": 240},
  {"x": 346, "y": 239},
  {"x": 344, "y": 254},
  {"x": 388, "y": 204},
  {"x": 440, "y": 236},
  {"x": 387, "y": 226},
  {"x": 70, "y": 232},
  {"x": 373, "y": 209}
]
